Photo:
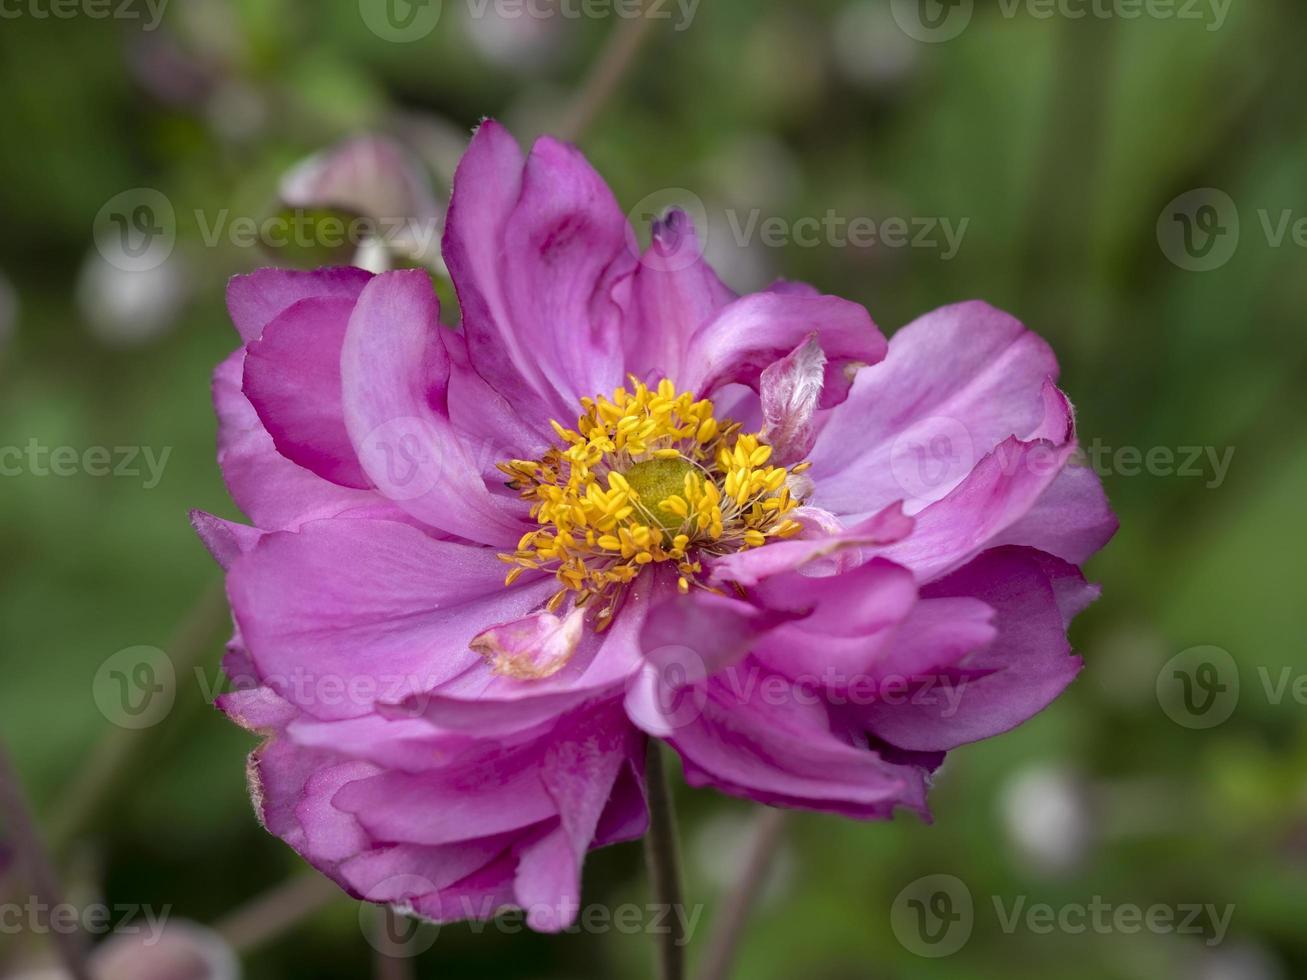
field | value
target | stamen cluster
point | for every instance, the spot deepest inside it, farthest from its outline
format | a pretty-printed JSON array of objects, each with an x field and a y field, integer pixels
[{"x": 647, "y": 476}]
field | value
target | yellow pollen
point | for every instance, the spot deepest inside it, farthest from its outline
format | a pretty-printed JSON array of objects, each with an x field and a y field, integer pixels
[{"x": 649, "y": 475}]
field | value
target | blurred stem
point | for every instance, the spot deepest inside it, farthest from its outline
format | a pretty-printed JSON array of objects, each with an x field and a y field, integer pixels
[
  {"x": 615, "y": 60},
  {"x": 31, "y": 852},
  {"x": 662, "y": 853},
  {"x": 392, "y": 965},
  {"x": 117, "y": 753},
  {"x": 277, "y": 910},
  {"x": 768, "y": 830}
]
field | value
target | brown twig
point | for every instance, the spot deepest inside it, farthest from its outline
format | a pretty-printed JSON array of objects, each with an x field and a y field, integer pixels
[
  {"x": 615, "y": 60},
  {"x": 766, "y": 837}
]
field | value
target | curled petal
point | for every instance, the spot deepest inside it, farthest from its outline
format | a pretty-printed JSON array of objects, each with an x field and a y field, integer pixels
[
  {"x": 537, "y": 646},
  {"x": 791, "y": 389}
]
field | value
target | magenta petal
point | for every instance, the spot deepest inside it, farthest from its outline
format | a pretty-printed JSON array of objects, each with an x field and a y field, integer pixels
[
  {"x": 674, "y": 292},
  {"x": 395, "y": 370},
  {"x": 997, "y": 493},
  {"x": 791, "y": 389},
  {"x": 292, "y": 378},
  {"x": 579, "y": 773},
  {"x": 813, "y": 547},
  {"x": 350, "y": 613},
  {"x": 770, "y": 743},
  {"x": 486, "y": 188},
  {"x": 751, "y": 333},
  {"x": 256, "y": 299},
  {"x": 226, "y": 540},
  {"x": 1027, "y": 665},
  {"x": 494, "y": 705},
  {"x": 955, "y": 383},
  {"x": 272, "y": 491},
  {"x": 1071, "y": 519},
  {"x": 565, "y": 248},
  {"x": 535, "y": 248}
]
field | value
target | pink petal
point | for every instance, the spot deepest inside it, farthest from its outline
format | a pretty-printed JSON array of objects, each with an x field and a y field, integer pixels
[
  {"x": 674, "y": 292},
  {"x": 292, "y": 378},
  {"x": 349, "y": 613},
  {"x": 994, "y": 496},
  {"x": 395, "y": 372},
  {"x": 765, "y": 742},
  {"x": 1071, "y": 519},
  {"x": 1028, "y": 664},
  {"x": 754, "y": 331},
  {"x": 272, "y": 491},
  {"x": 534, "y": 248},
  {"x": 955, "y": 383},
  {"x": 812, "y": 548},
  {"x": 256, "y": 299}
]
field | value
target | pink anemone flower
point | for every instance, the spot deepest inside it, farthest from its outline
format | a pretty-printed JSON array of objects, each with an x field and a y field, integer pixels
[{"x": 620, "y": 501}]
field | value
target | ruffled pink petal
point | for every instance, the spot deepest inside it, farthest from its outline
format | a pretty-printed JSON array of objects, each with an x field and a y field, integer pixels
[
  {"x": 673, "y": 293},
  {"x": 490, "y": 792},
  {"x": 790, "y": 390},
  {"x": 756, "y": 330},
  {"x": 494, "y": 705},
  {"x": 994, "y": 496},
  {"x": 1071, "y": 519},
  {"x": 759, "y": 737},
  {"x": 686, "y": 640},
  {"x": 404, "y": 875},
  {"x": 292, "y": 378},
  {"x": 256, "y": 299},
  {"x": 346, "y": 614},
  {"x": 955, "y": 384},
  {"x": 272, "y": 491},
  {"x": 815, "y": 545},
  {"x": 535, "y": 248},
  {"x": 578, "y": 774},
  {"x": 1028, "y": 664},
  {"x": 395, "y": 371},
  {"x": 565, "y": 250}
]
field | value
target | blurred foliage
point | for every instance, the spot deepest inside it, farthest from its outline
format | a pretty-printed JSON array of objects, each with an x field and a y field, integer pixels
[{"x": 1059, "y": 140}]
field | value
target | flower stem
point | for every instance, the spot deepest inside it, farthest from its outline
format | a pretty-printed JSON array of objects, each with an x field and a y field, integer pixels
[
  {"x": 662, "y": 852},
  {"x": 275, "y": 912},
  {"x": 42, "y": 877},
  {"x": 616, "y": 58},
  {"x": 768, "y": 830}
]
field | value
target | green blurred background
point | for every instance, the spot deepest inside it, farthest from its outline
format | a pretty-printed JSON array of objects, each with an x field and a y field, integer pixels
[{"x": 1059, "y": 140}]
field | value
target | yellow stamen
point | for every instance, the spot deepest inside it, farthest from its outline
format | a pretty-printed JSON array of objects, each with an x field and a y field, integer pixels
[{"x": 647, "y": 476}]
